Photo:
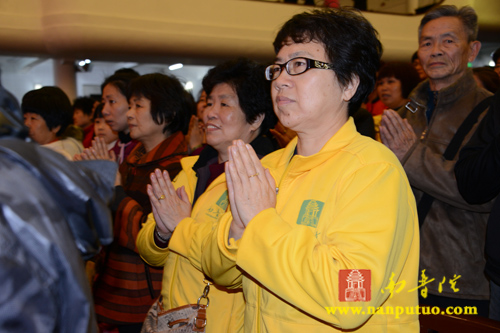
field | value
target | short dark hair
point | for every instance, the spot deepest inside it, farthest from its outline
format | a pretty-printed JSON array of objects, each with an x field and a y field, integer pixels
[
  {"x": 86, "y": 104},
  {"x": 488, "y": 77},
  {"x": 467, "y": 15},
  {"x": 120, "y": 79},
  {"x": 414, "y": 56},
  {"x": 350, "y": 41},
  {"x": 247, "y": 79},
  {"x": 98, "y": 111},
  {"x": 402, "y": 71},
  {"x": 52, "y": 104},
  {"x": 171, "y": 104},
  {"x": 496, "y": 55}
]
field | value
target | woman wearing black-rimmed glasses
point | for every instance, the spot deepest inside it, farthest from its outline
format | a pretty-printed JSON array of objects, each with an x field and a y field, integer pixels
[{"x": 331, "y": 201}]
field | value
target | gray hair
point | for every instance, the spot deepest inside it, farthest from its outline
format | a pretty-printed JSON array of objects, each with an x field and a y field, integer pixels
[{"x": 467, "y": 15}]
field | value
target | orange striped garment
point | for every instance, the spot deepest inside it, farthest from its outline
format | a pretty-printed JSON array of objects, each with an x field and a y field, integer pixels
[{"x": 125, "y": 290}]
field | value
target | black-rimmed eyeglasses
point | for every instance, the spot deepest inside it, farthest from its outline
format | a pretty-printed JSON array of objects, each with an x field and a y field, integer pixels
[{"x": 295, "y": 66}]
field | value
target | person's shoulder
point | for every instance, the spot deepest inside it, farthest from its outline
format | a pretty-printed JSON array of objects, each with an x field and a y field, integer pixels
[
  {"x": 483, "y": 93},
  {"x": 189, "y": 161},
  {"x": 273, "y": 159},
  {"x": 369, "y": 151},
  {"x": 72, "y": 146},
  {"x": 78, "y": 144},
  {"x": 60, "y": 148}
]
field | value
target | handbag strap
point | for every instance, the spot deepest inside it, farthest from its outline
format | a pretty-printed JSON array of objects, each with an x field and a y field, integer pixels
[
  {"x": 425, "y": 203},
  {"x": 205, "y": 294},
  {"x": 201, "y": 316},
  {"x": 201, "y": 319}
]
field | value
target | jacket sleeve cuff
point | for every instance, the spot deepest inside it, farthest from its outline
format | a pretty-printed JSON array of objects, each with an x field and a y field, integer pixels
[
  {"x": 148, "y": 250},
  {"x": 181, "y": 238},
  {"x": 227, "y": 246}
]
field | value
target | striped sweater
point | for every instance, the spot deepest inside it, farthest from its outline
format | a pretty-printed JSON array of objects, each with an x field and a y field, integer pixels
[{"x": 127, "y": 287}]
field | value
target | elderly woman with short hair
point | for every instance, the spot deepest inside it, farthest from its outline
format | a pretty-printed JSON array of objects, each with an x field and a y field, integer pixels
[
  {"x": 238, "y": 107},
  {"x": 48, "y": 114}
]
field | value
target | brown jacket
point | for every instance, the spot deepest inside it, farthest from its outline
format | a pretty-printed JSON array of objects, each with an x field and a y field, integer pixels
[{"x": 453, "y": 234}]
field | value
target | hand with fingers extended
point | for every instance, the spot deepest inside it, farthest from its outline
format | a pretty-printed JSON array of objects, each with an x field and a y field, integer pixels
[
  {"x": 169, "y": 206},
  {"x": 396, "y": 133},
  {"x": 98, "y": 151},
  {"x": 251, "y": 188}
]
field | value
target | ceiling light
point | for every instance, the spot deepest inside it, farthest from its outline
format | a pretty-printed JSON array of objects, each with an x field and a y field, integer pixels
[
  {"x": 83, "y": 65},
  {"x": 175, "y": 66}
]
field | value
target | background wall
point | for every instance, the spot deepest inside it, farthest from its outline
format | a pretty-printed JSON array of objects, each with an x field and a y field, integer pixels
[{"x": 194, "y": 32}]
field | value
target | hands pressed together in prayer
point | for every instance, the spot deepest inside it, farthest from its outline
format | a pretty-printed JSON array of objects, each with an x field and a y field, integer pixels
[
  {"x": 396, "y": 133},
  {"x": 169, "y": 205},
  {"x": 196, "y": 134},
  {"x": 251, "y": 188},
  {"x": 99, "y": 151}
]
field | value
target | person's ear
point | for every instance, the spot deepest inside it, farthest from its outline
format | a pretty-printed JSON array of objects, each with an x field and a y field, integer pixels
[
  {"x": 55, "y": 129},
  {"x": 257, "y": 122},
  {"x": 474, "y": 48},
  {"x": 351, "y": 88}
]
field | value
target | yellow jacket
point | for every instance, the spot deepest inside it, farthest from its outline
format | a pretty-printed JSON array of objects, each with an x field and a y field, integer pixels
[
  {"x": 347, "y": 207},
  {"x": 182, "y": 276}
]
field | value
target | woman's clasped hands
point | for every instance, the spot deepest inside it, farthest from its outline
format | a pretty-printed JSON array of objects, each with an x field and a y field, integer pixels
[
  {"x": 251, "y": 188},
  {"x": 98, "y": 151},
  {"x": 170, "y": 206}
]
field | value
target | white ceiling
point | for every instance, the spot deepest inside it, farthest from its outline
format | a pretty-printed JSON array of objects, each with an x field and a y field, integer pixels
[{"x": 21, "y": 74}]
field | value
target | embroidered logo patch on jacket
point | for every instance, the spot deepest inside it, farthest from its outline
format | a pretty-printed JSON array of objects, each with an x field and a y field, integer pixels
[
  {"x": 310, "y": 212},
  {"x": 220, "y": 207}
]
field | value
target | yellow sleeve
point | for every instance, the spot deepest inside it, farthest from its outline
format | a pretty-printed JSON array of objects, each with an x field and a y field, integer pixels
[
  {"x": 218, "y": 260},
  {"x": 148, "y": 250},
  {"x": 372, "y": 226},
  {"x": 188, "y": 238},
  {"x": 190, "y": 235}
]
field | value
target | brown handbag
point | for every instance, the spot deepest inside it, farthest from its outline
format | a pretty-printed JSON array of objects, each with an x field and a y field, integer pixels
[{"x": 183, "y": 319}]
